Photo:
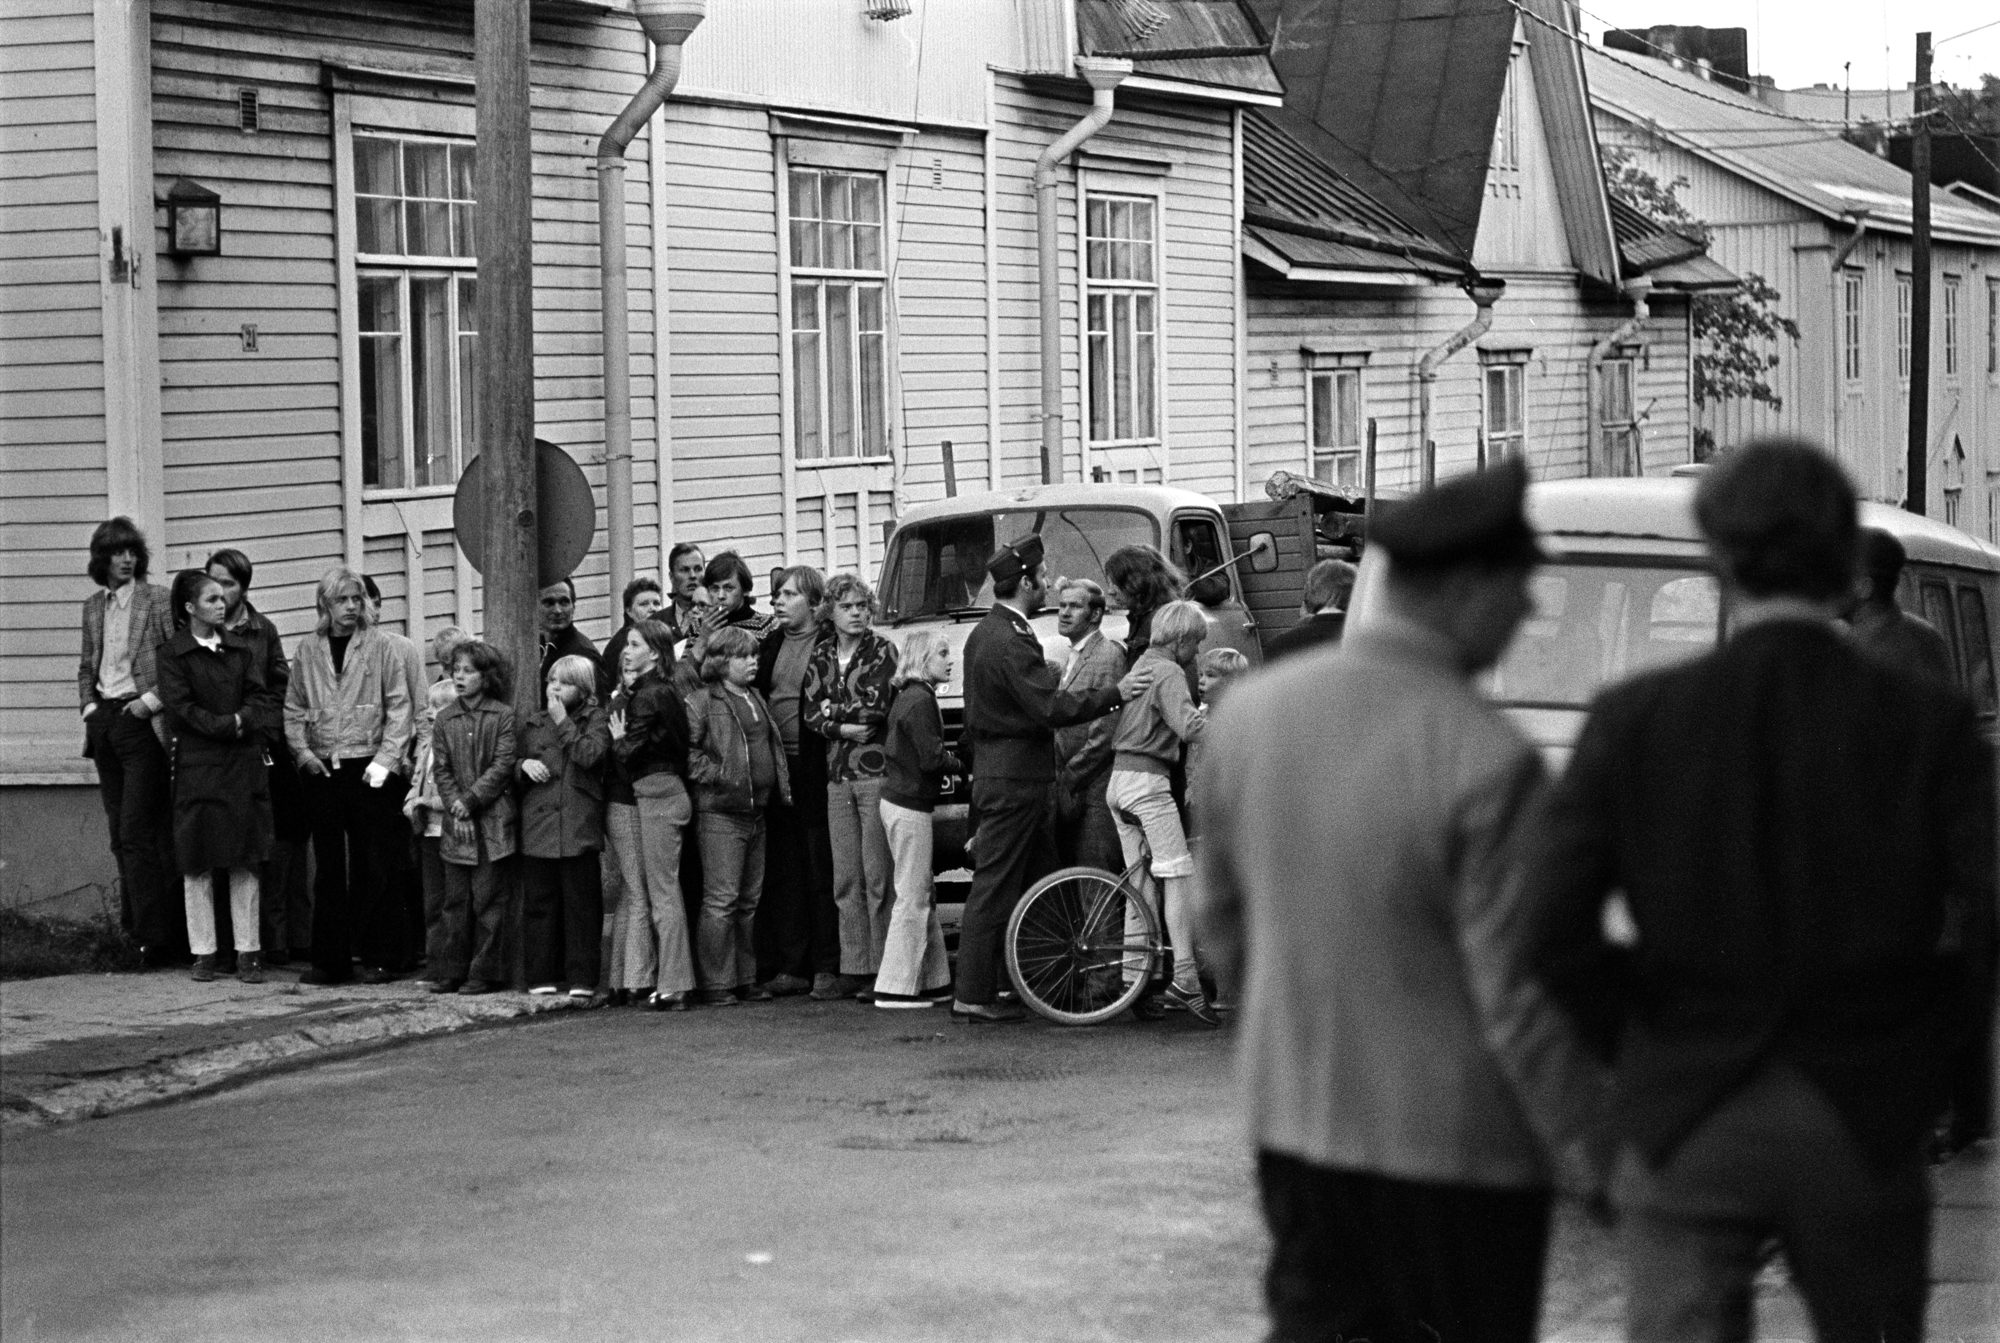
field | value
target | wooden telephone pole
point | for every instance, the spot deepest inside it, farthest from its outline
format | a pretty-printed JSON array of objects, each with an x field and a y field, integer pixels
[
  {"x": 505, "y": 188},
  {"x": 1917, "y": 449}
]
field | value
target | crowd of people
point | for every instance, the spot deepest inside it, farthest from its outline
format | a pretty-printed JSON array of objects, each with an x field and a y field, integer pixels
[{"x": 723, "y": 805}]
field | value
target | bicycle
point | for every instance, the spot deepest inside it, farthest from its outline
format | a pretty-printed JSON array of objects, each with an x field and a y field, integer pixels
[{"x": 1082, "y": 945}]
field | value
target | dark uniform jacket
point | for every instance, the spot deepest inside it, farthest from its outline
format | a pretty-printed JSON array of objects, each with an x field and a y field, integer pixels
[
  {"x": 571, "y": 640},
  {"x": 1316, "y": 630},
  {"x": 1804, "y": 838},
  {"x": 1013, "y": 703}
]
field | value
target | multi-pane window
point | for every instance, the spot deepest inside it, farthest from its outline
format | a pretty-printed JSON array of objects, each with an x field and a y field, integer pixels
[
  {"x": 1336, "y": 427},
  {"x": 1903, "y": 326},
  {"x": 840, "y": 381},
  {"x": 416, "y": 282},
  {"x": 1122, "y": 318},
  {"x": 1618, "y": 415},
  {"x": 1506, "y": 411},
  {"x": 1951, "y": 326},
  {"x": 1850, "y": 324}
]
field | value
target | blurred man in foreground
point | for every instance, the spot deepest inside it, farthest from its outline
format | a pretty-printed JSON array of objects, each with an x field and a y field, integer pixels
[
  {"x": 1357, "y": 809},
  {"x": 1803, "y": 836}
]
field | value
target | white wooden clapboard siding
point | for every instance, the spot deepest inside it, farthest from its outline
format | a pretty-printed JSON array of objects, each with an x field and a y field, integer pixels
[
  {"x": 1198, "y": 235},
  {"x": 252, "y": 441},
  {"x": 52, "y": 462}
]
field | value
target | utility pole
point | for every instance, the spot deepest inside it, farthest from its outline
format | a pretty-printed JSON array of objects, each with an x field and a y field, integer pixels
[
  {"x": 505, "y": 188},
  {"x": 1847, "y": 94},
  {"x": 1917, "y": 450}
]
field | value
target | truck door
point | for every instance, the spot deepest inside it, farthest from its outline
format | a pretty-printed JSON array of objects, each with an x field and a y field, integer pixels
[
  {"x": 1273, "y": 592},
  {"x": 1198, "y": 548}
]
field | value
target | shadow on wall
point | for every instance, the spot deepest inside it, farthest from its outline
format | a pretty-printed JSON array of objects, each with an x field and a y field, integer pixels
[{"x": 55, "y": 856}]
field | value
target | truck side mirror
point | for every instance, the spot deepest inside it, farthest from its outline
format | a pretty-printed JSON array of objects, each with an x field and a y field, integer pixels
[{"x": 1263, "y": 553}]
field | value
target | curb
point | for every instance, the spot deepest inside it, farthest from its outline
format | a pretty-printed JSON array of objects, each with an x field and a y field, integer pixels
[{"x": 343, "y": 1032}]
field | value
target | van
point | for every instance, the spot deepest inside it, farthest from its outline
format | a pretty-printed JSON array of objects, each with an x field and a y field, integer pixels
[{"x": 1628, "y": 587}]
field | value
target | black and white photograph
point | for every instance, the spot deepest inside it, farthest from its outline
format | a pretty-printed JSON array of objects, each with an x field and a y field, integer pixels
[{"x": 999, "y": 671}]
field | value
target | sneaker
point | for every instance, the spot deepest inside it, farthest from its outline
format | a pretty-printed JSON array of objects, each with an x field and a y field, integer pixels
[
  {"x": 900, "y": 1001},
  {"x": 204, "y": 970},
  {"x": 583, "y": 994},
  {"x": 667, "y": 1002},
  {"x": 786, "y": 986},
  {"x": 718, "y": 998},
  {"x": 545, "y": 991},
  {"x": 1192, "y": 1002},
  {"x": 753, "y": 993},
  {"x": 472, "y": 988},
  {"x": 249, "y": 967}
]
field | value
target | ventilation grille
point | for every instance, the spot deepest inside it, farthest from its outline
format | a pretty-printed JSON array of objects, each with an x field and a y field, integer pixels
[{"x": 246, "y": 110}]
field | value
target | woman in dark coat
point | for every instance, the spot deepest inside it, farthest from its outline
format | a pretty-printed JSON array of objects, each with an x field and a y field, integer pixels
[{"x": 219, "y": 712}]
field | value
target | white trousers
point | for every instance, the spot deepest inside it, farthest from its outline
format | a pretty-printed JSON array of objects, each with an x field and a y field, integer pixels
[
  {"x": 913, "y": 955},
  {"x": 1142, "y": 805},
  {"x": 243, "y": 892}
]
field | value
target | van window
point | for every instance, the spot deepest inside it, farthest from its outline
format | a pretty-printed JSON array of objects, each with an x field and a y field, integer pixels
[
  {"x": 1595, "y": 623},
  {"x": 1937, "y": 610},
  {"x": 939, "y": 567},
  {"x": 1978, "y": 647},
  {"x": 1198, "y": 550}
]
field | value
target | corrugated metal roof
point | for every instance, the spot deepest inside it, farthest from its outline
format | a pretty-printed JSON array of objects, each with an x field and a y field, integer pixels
[
  {"x": 1644, "y": 242},
  {"x": 1286, "y": 181},
  {"x": 1571, "y": 140},
  {"x": 1325, "y": 254},
  {"x": 1696, "y": 272},
  {"x": 1808, "y": 163},
  {"x": 1215, "y": 42}
]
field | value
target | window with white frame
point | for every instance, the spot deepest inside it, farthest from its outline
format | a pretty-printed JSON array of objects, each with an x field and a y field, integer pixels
[
  {"x": 1506, "y": 411},
  {"x": 416, "y": 269},
  {"x": 1618, "y": 415},
  {"x": 839, "y": 318},
  {"x": 1850, "y": 324},
  {"x": 1992, "y": 327},
  {"x": 1335, "y": 425},
  {"x": 1954, "y": 481},
  {"x": 1903, "y": 300},
  {"x": 1951, "y": 326},
  {"x": 1122, "y": 318}
]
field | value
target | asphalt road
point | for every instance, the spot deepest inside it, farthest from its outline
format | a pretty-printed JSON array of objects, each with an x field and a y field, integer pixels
[{"x": 793, "y": 1171}]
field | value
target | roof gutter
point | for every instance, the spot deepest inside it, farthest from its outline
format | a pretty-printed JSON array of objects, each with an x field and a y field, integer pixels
[
  {"x": 1638, "y": 288},
  {"x": 1103, "y": 74},
  {"x": 667, "y": 25},
  {"x": 1484, "y": 293}
]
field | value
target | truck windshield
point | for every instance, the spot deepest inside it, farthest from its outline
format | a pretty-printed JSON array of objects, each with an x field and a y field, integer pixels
[
  {"x": 1595, "y": 623},
  {"x": 940, "y": 566}
]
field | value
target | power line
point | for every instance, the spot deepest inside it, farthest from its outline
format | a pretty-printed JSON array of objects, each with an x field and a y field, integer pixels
[{"x": 1967, "y": 33}]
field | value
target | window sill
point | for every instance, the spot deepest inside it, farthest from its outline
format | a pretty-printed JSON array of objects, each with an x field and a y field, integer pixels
[
  {"x": 825, "y": 463},
  {"x": 377, "y": 495},
  {"x": 1108, "y": 444}
]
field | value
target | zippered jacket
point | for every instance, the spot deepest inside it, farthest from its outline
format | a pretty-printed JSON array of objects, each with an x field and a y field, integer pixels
[
  {"x": 367, "y": 712},
  {"x": 719, "y": 753}
]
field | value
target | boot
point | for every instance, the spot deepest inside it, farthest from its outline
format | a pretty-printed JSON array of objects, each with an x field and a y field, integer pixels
[
  {"x": 250, "y": 967},
  {"x": 204, "y": 969}
]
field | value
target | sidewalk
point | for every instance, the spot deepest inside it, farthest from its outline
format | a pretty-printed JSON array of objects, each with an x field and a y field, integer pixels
[{"x": 77, "y": 1046}]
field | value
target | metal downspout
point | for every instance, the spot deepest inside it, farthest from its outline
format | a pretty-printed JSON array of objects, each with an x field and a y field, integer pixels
[
  {"x": 1104, "y": 75},
  {"x": 1484, "y": 293},
  {"x": 1637, "y": 289},
  {"x": 667, "y": 24}
]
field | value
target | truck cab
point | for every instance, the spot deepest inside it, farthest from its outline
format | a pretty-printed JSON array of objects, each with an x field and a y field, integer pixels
[{"x": 934, "y": 575}]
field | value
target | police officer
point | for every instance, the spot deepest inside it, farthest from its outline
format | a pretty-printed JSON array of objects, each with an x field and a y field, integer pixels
[{"x": 1013, "y": 704}]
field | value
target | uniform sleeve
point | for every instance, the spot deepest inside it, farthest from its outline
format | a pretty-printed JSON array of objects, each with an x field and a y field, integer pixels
[{"x": 1037, "y": 690}]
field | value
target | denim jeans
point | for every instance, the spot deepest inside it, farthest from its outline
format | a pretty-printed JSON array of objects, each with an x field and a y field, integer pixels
[
  {"x": 732, "y": 868},
  {"x": 647, "y": 839},
  {"x": 1143, "y": 806},
  {"x": 199, "y": 893},
  {"x": 913, "y": 958},
  {"x": 468, "y": 934},
  {"x": 863, "y": 872}
]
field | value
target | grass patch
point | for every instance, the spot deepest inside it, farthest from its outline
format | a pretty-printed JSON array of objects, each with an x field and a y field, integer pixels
[{"x": 34, "y": 948}]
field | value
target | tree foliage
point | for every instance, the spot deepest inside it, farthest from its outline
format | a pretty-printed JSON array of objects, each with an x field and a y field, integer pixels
[{"x": 1737, "y": 335}]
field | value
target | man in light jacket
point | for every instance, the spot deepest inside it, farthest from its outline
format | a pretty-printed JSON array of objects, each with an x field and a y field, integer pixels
[
  {"x": 1085, "y": 832},
  {"x": 349, "y": 717},
  {"x": 1357, "y": 809}
]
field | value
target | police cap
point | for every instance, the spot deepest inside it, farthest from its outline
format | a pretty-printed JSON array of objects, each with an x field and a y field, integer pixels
[
  {"x": 1020, "y": 557},
  {"x": 1470, "y": 519}
]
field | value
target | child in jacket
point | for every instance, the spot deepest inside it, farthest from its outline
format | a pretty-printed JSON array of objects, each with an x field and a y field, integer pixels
[
  {"x": 914, "y": 970},
  {"x": 473, "y": 753},
  {"x": 736, "y": 761},
  {"x": 426, "y": 813},
  {"x": 563, "y": 751}
]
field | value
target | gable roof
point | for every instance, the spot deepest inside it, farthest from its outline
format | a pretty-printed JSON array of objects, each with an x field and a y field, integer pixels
[
  {"x": 1217, "y": 42},
  {"x": 1399, "y": 97},
  {"x": 1805, "y": 162},
  {"x": 1571, "y": 136},
  {"x": 1670, "y": 258}
]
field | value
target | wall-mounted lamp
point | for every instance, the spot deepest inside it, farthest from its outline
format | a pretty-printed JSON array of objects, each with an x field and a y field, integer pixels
[{"x": 194, "y": 220}]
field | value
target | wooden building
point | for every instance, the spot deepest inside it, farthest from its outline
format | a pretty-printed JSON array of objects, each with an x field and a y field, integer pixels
[
  {"x": 1828, "y": 225},
  {"x": 831, "y": 238},
  {"x": 1365, "y": 226}
]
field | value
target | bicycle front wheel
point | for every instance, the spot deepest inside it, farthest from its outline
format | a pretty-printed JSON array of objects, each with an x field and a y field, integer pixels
[{"x": 1081, "y": 946}]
